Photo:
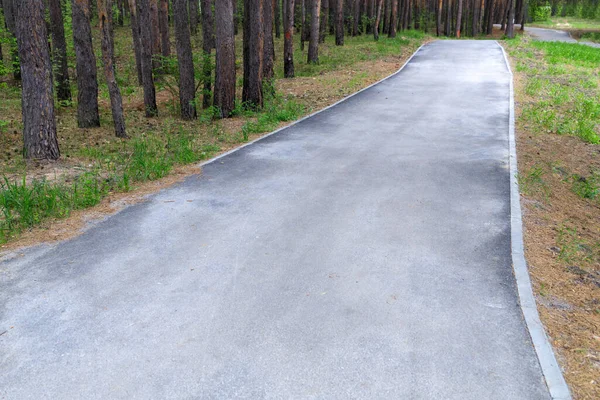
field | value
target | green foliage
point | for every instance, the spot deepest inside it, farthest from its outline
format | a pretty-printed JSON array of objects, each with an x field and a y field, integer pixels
[{"x": 540, "y": 11}]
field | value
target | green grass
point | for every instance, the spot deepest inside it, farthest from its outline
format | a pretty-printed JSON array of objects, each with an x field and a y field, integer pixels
[{"x": 562, "y": 85}]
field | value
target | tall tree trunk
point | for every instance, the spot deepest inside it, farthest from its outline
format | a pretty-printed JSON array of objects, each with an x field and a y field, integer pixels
[
  {"x": 277, "y": 19},
  {"x": 193, "y": 9},
  {"x": 355, "y": 17},
  {"x": 393, "y": 19},
  {"x": 459, "y": 18},
  {"x": 303, "y": 25},
  {"x": 163, "y": 26},
  {"x": 135, "y": 35},
  {"x": 87, "y": 79},
  {"x": 116, "y": 102},
  {"x": 377, "y": 20},
  {"x": 155, "y": 32},
  {"x": 224, "y": 97},
  {"x": 339, "y": 23},
  {"x": 37, "y": 97},
  {"x": 510, "y": 25},
  {"x": 313, "y": 44},
  {"x": 269, "y": 45},
  {"x": 144, "y": 20},
  {"x": 324, "y": 20},
  {"x": 236, "y": 16},
  {"x": 252, "y": 91},
  {"x": 187, "y": 86},
  {"x": 59, "y": 47},
  {"x": 288, "y": 38},
  {"x": 208, "y": 43}
]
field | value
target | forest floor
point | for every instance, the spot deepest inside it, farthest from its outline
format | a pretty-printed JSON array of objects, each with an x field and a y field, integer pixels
[
  {"x": 557, "y": 91},
  {"x": 101, "y": 171}
]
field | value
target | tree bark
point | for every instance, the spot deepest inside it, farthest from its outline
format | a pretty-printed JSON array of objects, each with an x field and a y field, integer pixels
[
  {"x": 510, "y": 25},
  {"x": 378, "y": 20},
  {"x": 116, "y": 102},
  {"x": 324, "y": 20},
  {"x": 208, "y": 43},
  {"x": 459, "y": 18},
  {"x": 252, "y": 91},
  {"x": 155, "y": 32},
  {"x": 59, "y": 47},
  {"x": 37, "y": 98},
  {"x": 144, "y": 20},
  {"x": 355, "y": 17},
  {"x": 135, "y": 35},
  {"x": 187, "y": 86},
  {"x": 303, "y": 25},
  {"x": 288, "y": 38},
  {"x": 339, "y": 23},
  {"x": 269, "y": 45},
  {"x": 277, "y": 19},
  {"x": 121, "y": 12},
  {"x": 193, "y": 9},
  {"x": 163, "y": 26},
  {"x": 87, "y": 79},
  {"x": 313, "y": 44},
  {"x": 393, "y": 19},
  {"x": 224, "y": 97}
]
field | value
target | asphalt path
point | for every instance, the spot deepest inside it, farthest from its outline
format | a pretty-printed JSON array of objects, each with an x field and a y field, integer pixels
[{"x": 363, "y": 253}]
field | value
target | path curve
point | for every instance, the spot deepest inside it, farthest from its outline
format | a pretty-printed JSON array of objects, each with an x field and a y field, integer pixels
[
  {"x": 364, "y": 252},
  {"x": 555, "y": 35}
]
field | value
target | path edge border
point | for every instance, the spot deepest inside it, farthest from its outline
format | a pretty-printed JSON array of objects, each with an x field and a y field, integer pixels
[
  {"x": 557, "y": 386},
  {"x": 298, "y": 121}
]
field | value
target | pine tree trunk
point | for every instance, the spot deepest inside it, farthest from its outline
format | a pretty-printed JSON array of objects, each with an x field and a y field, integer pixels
[
  {"x": 459, "y": 18},
  {"x": 324, "y": 20},
  {"x": 236, "y": 17},
  {"x": 135, "y": 35},
  {"x": 208, "y": 43},
  {"x": 393, "y": 19},
  {"x": 155, "y": 32},
  {"x": 87, "y": 79},
  {"x": 269, "y": 45},
  {"x": 39, "y": 124},
  {"x": 59, "y": 47},
  {"x": 339, "y": 23},
  {"x": 252, "y": 91},
  {"x": 193, "y": 10},
  {"x": 303, "y": 25},
  {"x": 144, "y": 20},
  {"x": 313, "y": 44},
  {"x": 187, "y": 86},
  {"x": 163, "y": 26},
  {"x": 510, "y": 25},
  {"x": 288, "y": 38},
  {"x": 355, "y": 17},
  {"x": 378, "y": 20},
  {"x": 116, "y": 102},
  {"x": 224, "y": 97},
  {"x": 277, "y": 19}
]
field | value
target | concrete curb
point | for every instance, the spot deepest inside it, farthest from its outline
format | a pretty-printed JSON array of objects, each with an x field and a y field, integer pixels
[
  {"x": 550, "y": 369},
  {"x": 311, "y": 115}
]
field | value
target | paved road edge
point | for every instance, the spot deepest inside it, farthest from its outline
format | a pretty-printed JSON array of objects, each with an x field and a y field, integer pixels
[
  {"x": 312, "y": 114},
  {"x": 557, "y": 386}
]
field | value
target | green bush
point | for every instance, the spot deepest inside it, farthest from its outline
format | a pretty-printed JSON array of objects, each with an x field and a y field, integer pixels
[{"x": 540, "y": 12}]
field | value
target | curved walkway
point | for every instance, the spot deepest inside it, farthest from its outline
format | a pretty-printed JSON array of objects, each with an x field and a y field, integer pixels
[
  {"x": 364, "y": 252},
  {"x": 554, "y": 35}
]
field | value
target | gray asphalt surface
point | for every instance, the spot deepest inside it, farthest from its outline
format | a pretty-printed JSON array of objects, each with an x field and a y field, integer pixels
[
  {"x": 554, "y": 35},
  {"x": 363, "y": 253}
]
